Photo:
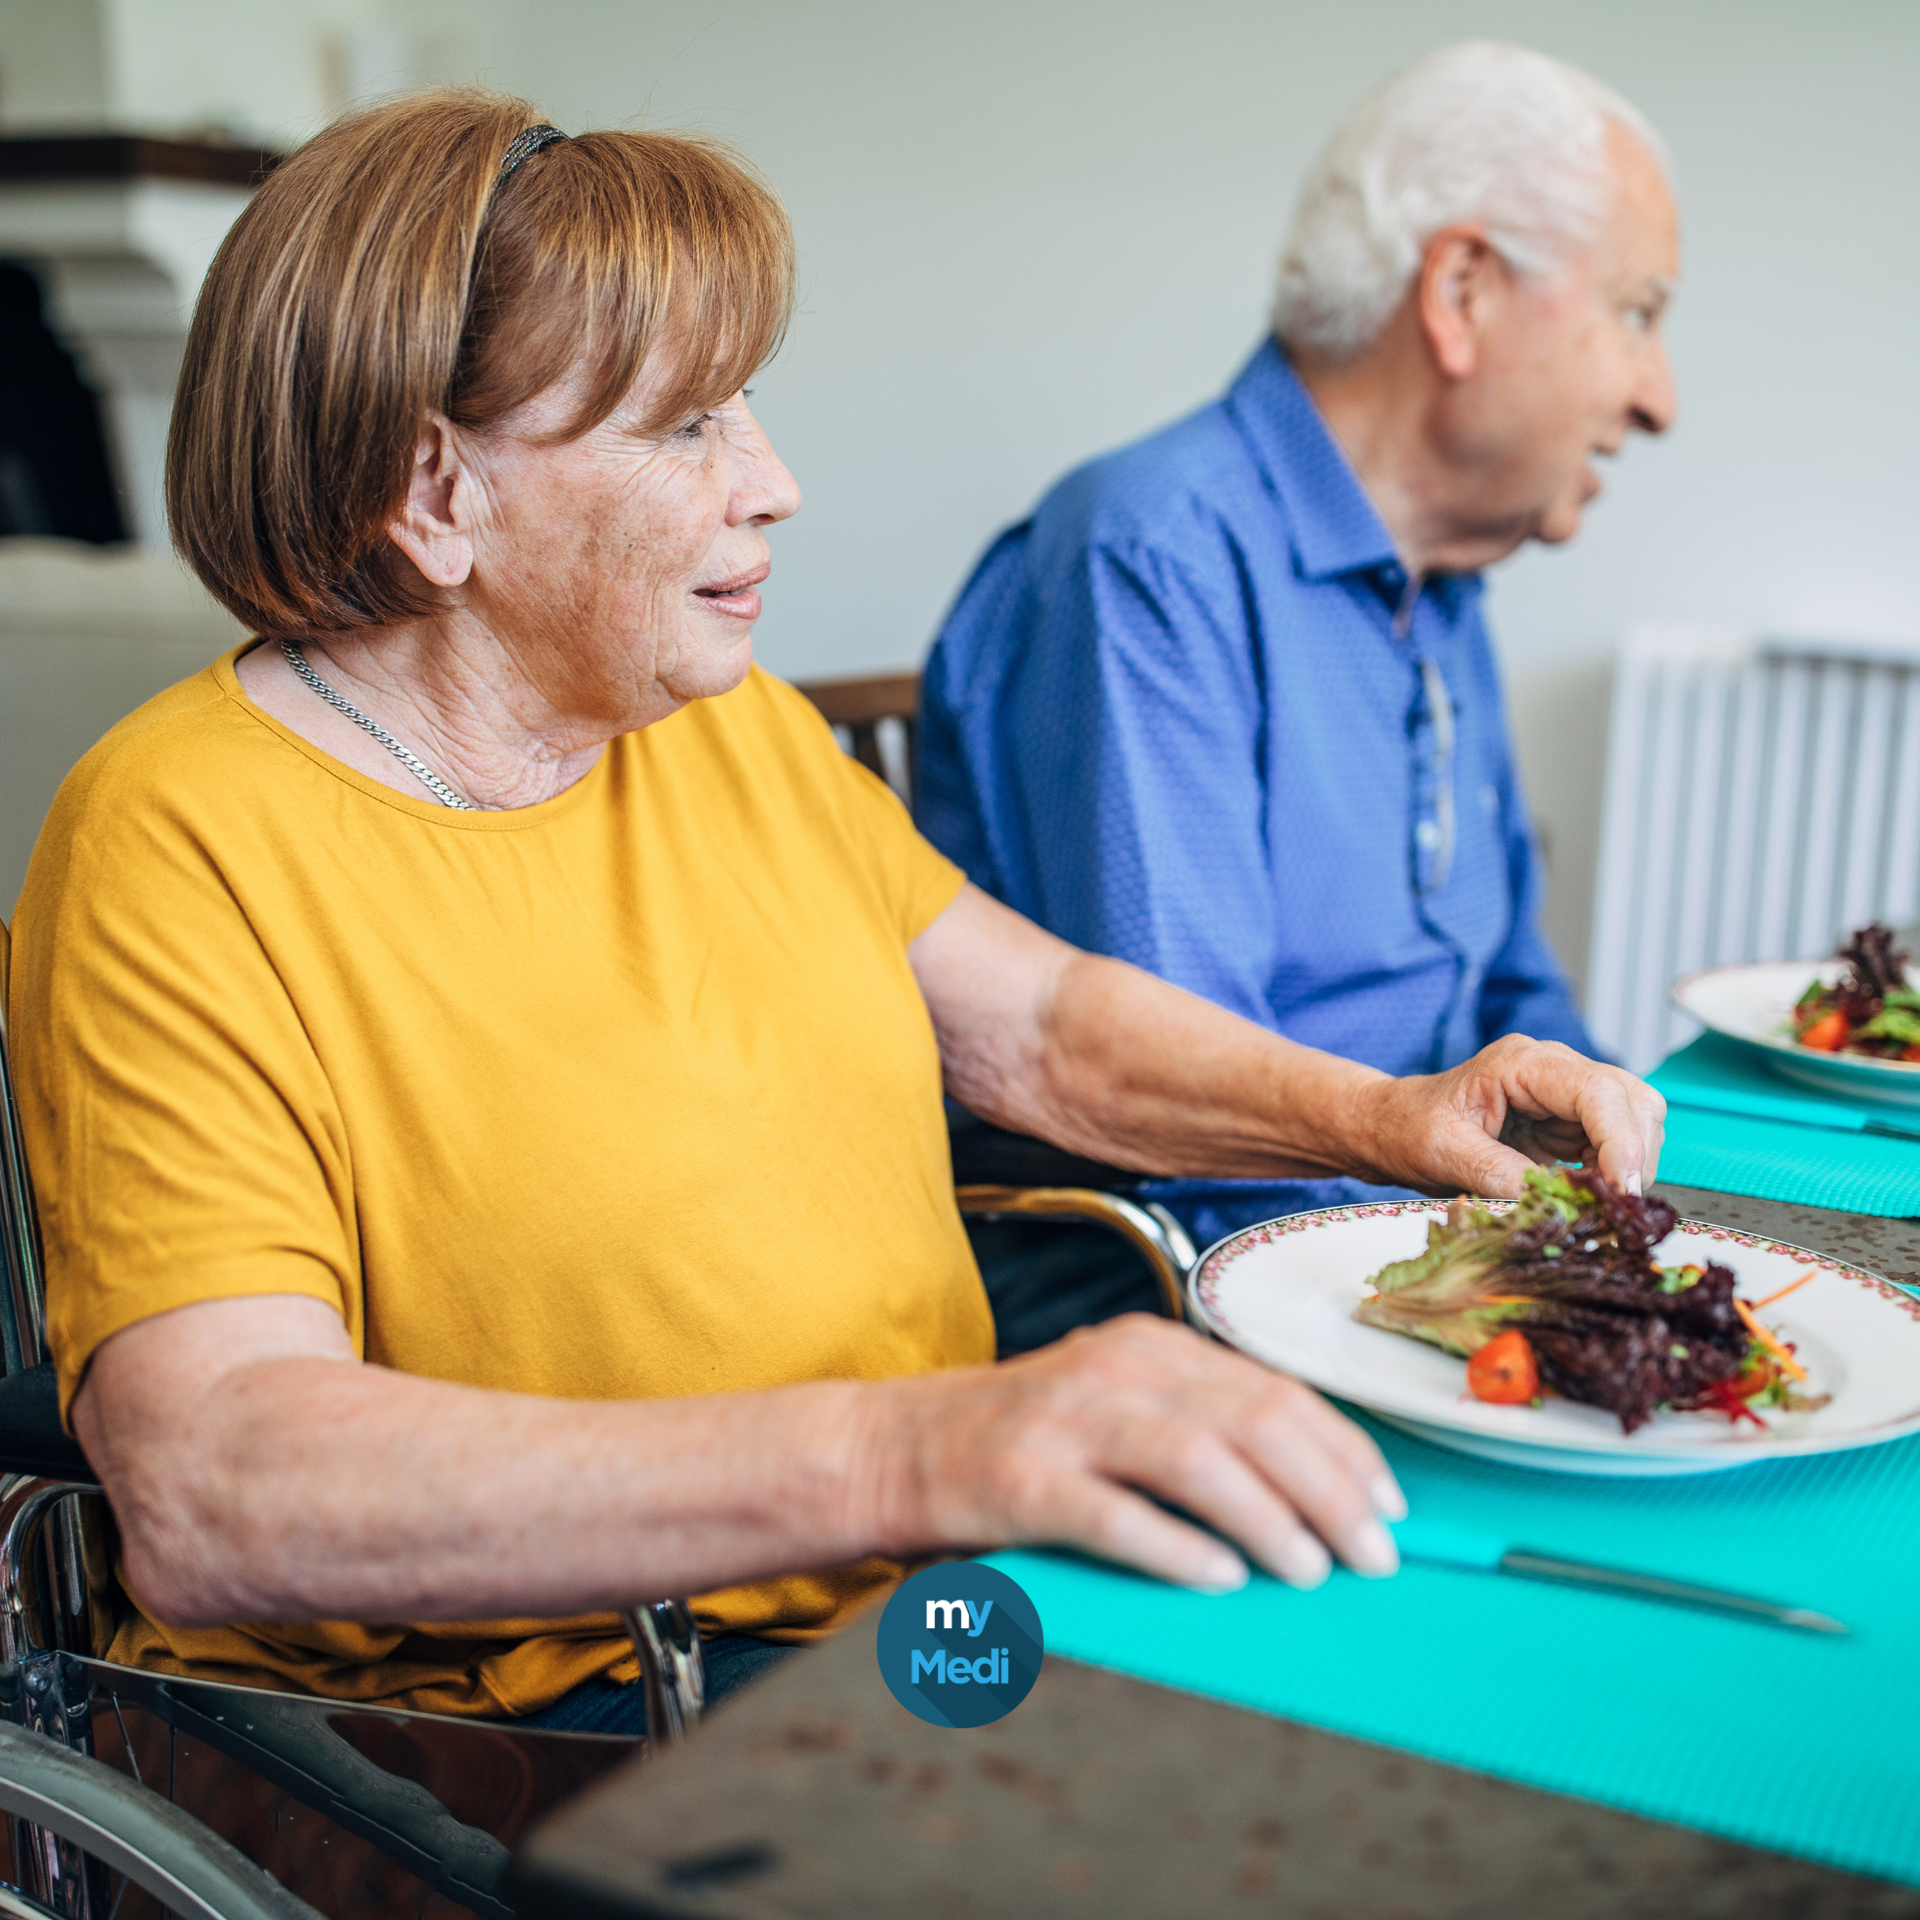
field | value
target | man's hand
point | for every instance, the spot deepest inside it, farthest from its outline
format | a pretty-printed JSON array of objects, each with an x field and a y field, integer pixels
[
  {"x": 1477, "y": 1128},
  {"x": 1089, "y": 1443}
]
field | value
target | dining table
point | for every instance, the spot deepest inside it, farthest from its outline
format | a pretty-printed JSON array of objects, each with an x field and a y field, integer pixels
[{"x": 1407, "y": 1749}]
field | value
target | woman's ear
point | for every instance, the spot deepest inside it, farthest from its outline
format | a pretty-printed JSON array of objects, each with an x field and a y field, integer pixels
[
  {"x": 435, "y": 528},
  {"x": 1460, "y": 280}
]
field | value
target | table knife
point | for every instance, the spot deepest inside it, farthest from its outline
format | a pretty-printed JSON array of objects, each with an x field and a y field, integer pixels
[{"x": 1438, "y": 1543}]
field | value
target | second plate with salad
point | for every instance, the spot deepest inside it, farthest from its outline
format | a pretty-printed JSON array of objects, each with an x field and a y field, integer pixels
[{"x": 1849, "y": 1026}]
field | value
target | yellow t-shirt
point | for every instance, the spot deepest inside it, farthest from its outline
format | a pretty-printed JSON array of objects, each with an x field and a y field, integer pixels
[{"x": 629, "y": 1094}]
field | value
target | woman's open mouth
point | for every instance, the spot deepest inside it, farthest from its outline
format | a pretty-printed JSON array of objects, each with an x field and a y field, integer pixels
[{"x": 736, "y": 596}]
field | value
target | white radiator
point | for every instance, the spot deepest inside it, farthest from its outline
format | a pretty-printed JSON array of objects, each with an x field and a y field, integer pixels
[{"x": 1762, "y": 798}]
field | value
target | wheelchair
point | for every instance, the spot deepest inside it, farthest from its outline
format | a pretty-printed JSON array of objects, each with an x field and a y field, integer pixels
[{"x": 130, "y": 1794}]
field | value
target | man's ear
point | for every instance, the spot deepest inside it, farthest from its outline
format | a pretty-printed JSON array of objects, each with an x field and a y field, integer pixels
[
  {"x": 1460, "y": 279},
  {"x": 435, "y": 527}
]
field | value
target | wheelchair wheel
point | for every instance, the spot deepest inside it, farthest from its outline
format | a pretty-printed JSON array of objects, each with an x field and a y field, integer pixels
[{"x": 131, "y": 1830}]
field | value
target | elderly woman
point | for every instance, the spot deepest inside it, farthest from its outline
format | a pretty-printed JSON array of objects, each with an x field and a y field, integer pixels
[{"x": 482, "y": 1044}]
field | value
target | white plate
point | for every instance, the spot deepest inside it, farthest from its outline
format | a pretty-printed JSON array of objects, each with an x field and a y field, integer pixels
[
  {"x": 1285, "y": 1293},
  {"x": 1755, "y": 1004}
]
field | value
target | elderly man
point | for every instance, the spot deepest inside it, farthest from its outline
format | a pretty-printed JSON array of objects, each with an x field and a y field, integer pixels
[{"x": 1225, "y": 705}]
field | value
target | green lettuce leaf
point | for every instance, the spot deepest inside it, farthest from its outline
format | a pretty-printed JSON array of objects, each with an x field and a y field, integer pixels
[
  {"x": 1438, "y": 1295},
  {"x": 1892, "y": 1023}
]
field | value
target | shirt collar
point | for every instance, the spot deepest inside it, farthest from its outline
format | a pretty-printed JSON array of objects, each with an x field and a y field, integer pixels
[{"x": 1333, "y": 526}]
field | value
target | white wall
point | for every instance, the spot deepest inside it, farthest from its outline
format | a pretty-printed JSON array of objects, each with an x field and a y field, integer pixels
[{"x": 1029, "y": 231}]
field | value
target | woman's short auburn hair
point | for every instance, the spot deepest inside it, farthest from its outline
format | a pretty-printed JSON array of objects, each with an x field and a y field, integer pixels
[{"x": 387, "y": 269}]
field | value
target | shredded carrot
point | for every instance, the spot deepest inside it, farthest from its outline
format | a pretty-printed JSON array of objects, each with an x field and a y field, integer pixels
[
  {"x": 1782, "y": 1293},
  {"x": 1788, "y": 1364}
]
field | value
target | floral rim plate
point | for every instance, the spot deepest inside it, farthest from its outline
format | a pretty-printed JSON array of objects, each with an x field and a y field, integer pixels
[
  {"x": 1284, "y": 1292},
  {"x": 1754, "y": 1004}
]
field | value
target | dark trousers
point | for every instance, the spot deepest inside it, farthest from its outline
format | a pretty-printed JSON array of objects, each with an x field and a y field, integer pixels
[{"x": 733, "y": 1660}]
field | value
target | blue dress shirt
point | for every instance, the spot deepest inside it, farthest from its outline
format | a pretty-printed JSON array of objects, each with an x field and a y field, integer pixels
[{"x": 1188, "y": 715}]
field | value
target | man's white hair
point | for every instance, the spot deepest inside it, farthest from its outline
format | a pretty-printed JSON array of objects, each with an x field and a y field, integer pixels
[{"x": 1479, "y": 132}]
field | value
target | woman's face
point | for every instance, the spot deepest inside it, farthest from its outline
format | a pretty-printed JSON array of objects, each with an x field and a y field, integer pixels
[{"x": 622, "y": 566}]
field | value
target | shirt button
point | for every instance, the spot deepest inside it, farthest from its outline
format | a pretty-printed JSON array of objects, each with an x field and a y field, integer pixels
[{"x": 1426, "y": 836}]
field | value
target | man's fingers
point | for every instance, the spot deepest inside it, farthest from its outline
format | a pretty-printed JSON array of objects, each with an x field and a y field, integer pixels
[
  {"x": 1651, "y": 1112},
  {"x": 1625, "y": 1121}
]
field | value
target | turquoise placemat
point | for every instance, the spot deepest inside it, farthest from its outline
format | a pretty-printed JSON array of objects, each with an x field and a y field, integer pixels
[
  {"x": 1798, "y": 1742},
  {"x": 1733, "y": 1125},
  {"x": 1725, "y": 1077}
]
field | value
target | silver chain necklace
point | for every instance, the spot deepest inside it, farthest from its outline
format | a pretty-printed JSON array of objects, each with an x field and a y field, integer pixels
[{"x": 411, "y": 761}]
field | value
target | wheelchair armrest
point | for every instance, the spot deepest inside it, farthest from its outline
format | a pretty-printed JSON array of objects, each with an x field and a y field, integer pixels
[
  {"x": 1153, "y": 1233},
  {"x": 32, "y": 1439}
]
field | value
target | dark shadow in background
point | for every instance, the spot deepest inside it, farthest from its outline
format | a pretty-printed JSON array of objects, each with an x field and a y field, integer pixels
[{"x": 55, "y": 475}]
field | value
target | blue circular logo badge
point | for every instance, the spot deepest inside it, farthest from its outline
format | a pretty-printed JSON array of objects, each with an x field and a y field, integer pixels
[{"x": 960, "y": 1644}]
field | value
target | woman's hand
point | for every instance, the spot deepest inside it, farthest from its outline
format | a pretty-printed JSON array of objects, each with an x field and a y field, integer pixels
[
  {"x": 1476, "y": 1128},
  {"x": 1089, "y": 1443}
]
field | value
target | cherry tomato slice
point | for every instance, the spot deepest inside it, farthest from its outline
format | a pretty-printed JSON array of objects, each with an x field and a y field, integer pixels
[
  {"x": 1828, "y": 1034},
  {"x": 1503, "y": 1371}
]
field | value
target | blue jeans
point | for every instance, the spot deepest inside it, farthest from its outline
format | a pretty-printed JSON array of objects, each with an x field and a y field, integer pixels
[{"x": 733, "y": 1660}]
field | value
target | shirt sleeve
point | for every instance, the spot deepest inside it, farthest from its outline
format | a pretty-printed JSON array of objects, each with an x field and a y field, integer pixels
[
  {"x": 185, "y": 1142},
  {"x": 1123, "y": 756}
]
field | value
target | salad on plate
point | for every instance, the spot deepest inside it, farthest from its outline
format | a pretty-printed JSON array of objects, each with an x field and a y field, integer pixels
[
  {"x": 1870, "y": 1009},
  {"x": 1561, "y": 1293}
]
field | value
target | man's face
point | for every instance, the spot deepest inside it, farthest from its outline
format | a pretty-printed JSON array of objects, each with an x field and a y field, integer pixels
[{"x": 1568, "y": 367}]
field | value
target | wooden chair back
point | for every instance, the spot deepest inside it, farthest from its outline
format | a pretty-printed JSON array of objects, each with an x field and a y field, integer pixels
[{"x": 857, "y": 709}]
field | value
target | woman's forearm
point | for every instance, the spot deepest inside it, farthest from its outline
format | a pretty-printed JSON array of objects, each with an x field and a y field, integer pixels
[
  {"x": 1108, "y": 1061},
  {"x": 1099, "y": 1057},
  {"x": 298, "y": 1485},
  {"x": 259, "y": 1471},
  {"x": 1138, "y": 1073}
]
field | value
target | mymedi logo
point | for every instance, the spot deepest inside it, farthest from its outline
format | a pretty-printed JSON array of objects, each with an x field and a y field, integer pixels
[{"x": 960, "y": 1644}]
